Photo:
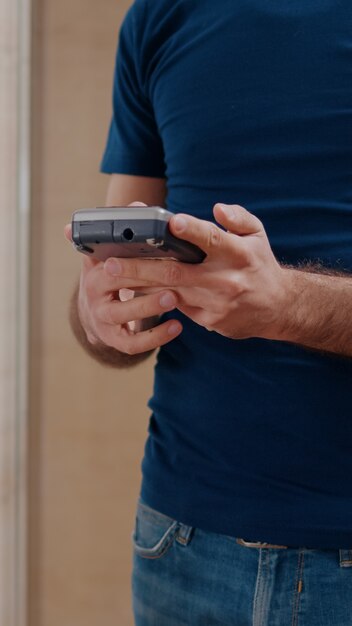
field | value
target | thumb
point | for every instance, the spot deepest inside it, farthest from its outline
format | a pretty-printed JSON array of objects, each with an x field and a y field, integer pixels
[{"x": 237, "y": 219}]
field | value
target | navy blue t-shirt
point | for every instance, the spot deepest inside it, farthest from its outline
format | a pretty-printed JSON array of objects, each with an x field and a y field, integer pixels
[{"x": 247, "y": 102}]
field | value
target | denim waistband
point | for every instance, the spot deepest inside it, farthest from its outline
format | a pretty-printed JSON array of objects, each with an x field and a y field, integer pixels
[{"x": 345, "y": 555}]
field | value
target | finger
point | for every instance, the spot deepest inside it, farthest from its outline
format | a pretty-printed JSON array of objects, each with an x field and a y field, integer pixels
[
  {"x": 237, "y": 219},
  {"x": 117, "y": 312},
  {"x": 89, "y": 262},
  {"x": 137, "y": 204},
  {"x": 206, "y": 235},
  {"x": 146, "y": 340},
  {"x": 102, "y": 284},
  {"x": 152, "y": 272},
  {"x": 68, "y": 232}
]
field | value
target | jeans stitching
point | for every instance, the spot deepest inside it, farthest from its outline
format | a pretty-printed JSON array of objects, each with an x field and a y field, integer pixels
[
  {"x": 297, "y": 588},
  {"x": 260, "y": 588},
  {"x": 160, "y": 547},
  {"x": 157, "y": 553},
  {"x": 257, "y": 588}
]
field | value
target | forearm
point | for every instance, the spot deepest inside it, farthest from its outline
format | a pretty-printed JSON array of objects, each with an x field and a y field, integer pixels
[
  {"x": 241, "y": 291},
  {"x": 105, "y": 355},
  {"x": 317, "y": 311}
]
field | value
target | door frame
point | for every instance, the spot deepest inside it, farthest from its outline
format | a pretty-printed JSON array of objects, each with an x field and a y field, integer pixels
[{"x": 15, "y": 73}]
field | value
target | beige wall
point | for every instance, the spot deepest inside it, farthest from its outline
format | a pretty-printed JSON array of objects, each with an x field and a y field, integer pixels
[{"x": 88, "y": 423}]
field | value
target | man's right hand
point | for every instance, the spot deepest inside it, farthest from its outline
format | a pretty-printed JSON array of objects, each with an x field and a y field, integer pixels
[{"x": 108, "y": 320}]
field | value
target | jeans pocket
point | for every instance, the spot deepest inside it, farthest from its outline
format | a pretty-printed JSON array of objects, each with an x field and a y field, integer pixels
[{"x": 154, "y": 532}]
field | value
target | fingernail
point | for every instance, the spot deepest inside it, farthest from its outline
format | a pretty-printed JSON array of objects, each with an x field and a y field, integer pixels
[
  {"x": 167, "y": 301},
  {"x": 113, "y": 267},
  {"x": 179, "y": 223},
  {"x": 174, "y": 328}
]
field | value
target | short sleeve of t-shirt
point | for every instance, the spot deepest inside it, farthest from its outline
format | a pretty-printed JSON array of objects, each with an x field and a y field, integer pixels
[{"x": 133, "y": 145}]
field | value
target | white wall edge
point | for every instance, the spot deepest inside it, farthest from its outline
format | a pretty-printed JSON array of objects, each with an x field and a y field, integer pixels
[{"x": 23, "y": 296}]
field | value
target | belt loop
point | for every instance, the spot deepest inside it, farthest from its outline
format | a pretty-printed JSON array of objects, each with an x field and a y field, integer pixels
[
  {"x": 345, "y": 558},
  {"x": 184, "y": 534}
]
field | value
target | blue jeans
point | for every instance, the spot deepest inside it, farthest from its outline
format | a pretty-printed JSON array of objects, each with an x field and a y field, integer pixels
[{"x": 183, "y": 576}]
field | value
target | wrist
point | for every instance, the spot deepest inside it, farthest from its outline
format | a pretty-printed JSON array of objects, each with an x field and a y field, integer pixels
[{"x": 285, "y": 305}]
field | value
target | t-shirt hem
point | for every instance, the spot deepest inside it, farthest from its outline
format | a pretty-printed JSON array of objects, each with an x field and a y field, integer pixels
[{"x": 268, "y": 532}]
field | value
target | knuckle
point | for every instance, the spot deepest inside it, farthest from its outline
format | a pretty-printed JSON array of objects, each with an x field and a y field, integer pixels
[
  {"x": 217, "y": 318},
  {"x": 211, "y": 321},
  {"x": 248, "y": 256},
  {"x": 129, "y": 347},
  {"x": 207, "y": 320},
  {"x": 232, "y": 286},
  {"x": 129, "y": 269},
  {"x": 173, "y": 274},
  {"x": 218, "y": 306},
  {"x": 214, "y": 236},
  {"x": 143, "y": 308},
  {"x": 132, "y": 270}
]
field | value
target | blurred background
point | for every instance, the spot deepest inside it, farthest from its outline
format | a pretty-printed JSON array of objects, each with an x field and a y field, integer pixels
[{"x": 72, "y": 432}]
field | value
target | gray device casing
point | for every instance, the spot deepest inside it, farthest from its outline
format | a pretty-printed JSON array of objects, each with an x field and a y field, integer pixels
[{"x": 130, "y": 232}]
